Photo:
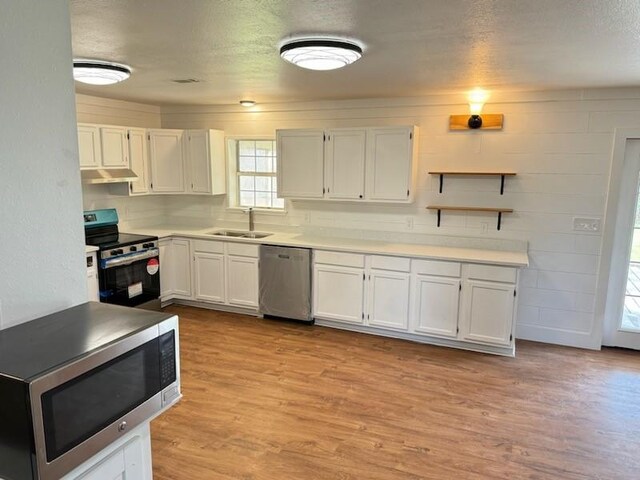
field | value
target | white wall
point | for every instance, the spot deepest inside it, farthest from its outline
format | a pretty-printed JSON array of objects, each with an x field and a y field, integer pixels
[
  {"x": 42, "y": 259},
  {"x": 559, "y": 143},
  {"x": 131, "y": 210}
]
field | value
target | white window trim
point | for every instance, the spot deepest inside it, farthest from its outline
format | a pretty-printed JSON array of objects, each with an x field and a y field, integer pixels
[{"x": 232, "y": 176}]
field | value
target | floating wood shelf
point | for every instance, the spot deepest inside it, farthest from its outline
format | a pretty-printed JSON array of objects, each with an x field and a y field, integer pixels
[
  {"x": 497, "y": 210},
  {"x": 471, "y": 173}
]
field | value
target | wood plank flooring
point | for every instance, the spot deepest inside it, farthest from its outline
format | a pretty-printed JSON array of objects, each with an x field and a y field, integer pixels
[{"x": 275, "y": 400}]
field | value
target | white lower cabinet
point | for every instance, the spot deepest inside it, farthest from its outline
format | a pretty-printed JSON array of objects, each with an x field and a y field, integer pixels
[
  {"x": 388, "y": 299},
  {"x": 209, "y": 276},
  {"x": 435, "y": 305},
  {"x": 181, "y": 259},
  {"x": 226, "y": 273},
  {"x": 128, "y": 458},
  {"x": 487, "y": 312},
  {"x": 338, "y": 293},
  {"x": 242, "y": 281},
  {"x": 166, "y": 269}
]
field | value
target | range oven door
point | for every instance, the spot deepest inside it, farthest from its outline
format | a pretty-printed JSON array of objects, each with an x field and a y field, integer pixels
[
  {"x": 130, "y": 280},
  {"x": 87, "y": 405}
]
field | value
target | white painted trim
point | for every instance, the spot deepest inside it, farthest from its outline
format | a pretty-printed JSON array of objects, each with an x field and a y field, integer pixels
[{"x": 615, "y": 178}]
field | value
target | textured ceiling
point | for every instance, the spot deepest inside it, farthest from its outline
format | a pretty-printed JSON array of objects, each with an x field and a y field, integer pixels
[{"x": 412, "y": 47}]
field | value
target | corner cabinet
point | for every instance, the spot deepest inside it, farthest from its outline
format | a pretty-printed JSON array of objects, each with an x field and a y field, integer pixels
[{"x": 356, "y": 164}]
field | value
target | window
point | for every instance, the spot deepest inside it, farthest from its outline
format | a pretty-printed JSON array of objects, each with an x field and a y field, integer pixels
[{"x": 256, "y": 174}]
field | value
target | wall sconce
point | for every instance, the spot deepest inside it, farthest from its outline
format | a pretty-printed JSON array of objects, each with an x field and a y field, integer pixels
[{"x": 477, "y": 99}]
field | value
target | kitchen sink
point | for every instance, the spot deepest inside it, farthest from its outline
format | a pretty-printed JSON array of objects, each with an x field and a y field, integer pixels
[{"x": 239, "y": 234}]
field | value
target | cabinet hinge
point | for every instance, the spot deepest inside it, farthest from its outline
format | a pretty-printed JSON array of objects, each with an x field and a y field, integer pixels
[
  {"x": 363, "y": 315},
  {"x": 328, "y": 189},
  {"x": 149, "y": 137},
  {"x": 324, "y": 137},
  {"x": 457, "y": 329},
  {"x": 514, "y": 292},
  {"x": 127, "y": 136},
  {"x": 363, "y": 278},
  {"x": 407, "y": 193},
  {"x": 131, "y": 187},
  {"x": 511, "y": 337},
  {"x": 323, "y": 190},
  {"x": 460, "y": 287},
  {"x": 151, "y": 185}
]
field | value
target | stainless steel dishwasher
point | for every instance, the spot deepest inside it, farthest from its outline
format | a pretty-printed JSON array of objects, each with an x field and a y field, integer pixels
[{"x": 285, "y": 282}]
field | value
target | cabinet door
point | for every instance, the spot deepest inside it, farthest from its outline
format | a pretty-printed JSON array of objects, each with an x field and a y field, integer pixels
[
  {"x": 166, "y": 155},
  {"x": 89, "y": 146},
  {"x": 115, "y": 149},
  {"x": 388, "y": 294},
  {"x": 209, "y": 274},
  {"x": 112, "y": 468},
  {"x": 487, "y": 315},
  {"x": 435, "y": 305},
  {"x": 199, "y": 161},
  {"x": 138, "y": 161},
  {"x": 338, "y": 293},
  {"x": 300, "y": 163},
  {"x": 166, "y": 269},
  {"x": 242, "y": 281},
  {"x": 389, "y": 164},
  {"x": 345, "y": 158},
  {"x": 181, "y": 268}
]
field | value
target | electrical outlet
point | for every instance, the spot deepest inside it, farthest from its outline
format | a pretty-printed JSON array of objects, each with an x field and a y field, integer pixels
[
  {"x": 586, "y": 224},
  {"x": 410, "y": 223},
  {"x": 484, "y": 228}
]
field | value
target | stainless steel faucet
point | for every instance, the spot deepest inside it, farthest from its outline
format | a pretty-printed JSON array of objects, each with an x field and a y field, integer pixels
[{"x": 250, "y": 212}]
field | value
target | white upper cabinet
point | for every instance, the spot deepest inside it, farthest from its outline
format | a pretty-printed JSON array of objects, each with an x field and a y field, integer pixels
[
  {"x": 166, "y": 155},
  {"x": 205, "y": 158},
  {"x": 390, "y": 164},
  {"x": 300, "y": 163},
  {"x": 345, "y": 162},
  {"x": 89, "y": 146},
  {"x": 139, "y": 161},
  {"x": 361, "y": 164},
  {"x": 115, "y": 149}
]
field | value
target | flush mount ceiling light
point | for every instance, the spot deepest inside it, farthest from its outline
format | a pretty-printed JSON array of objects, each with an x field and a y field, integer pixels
[
  {"x": 96, "y": 72},
  {"x": 247, "y": 103},
  {"x": 320, "y": 53}
]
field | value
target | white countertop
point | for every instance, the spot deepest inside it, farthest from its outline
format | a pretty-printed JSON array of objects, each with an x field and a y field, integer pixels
[
  {"x": 497, "y": 257},
  {"x": 90, "y": 248}
]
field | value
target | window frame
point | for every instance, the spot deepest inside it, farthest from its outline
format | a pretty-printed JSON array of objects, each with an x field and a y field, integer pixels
[{"x": 233, "y": 174}]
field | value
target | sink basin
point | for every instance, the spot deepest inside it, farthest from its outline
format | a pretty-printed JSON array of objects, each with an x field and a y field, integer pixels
[
  {"x": 239, "y": 234},
  {"x": 228, "y": 233}
]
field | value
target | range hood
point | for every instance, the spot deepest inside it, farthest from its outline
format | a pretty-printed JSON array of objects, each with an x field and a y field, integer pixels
[{"x": 113, "y": 175}]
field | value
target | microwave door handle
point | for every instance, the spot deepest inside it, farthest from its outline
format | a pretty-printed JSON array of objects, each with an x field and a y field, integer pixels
[{"x": 129, "y": 259}]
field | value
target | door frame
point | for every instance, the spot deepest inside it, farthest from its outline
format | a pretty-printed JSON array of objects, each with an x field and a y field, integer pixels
[{"x": 604, "y": 306}]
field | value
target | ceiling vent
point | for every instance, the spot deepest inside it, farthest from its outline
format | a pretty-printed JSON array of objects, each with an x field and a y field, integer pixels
[{"x": 186, "y": 80}]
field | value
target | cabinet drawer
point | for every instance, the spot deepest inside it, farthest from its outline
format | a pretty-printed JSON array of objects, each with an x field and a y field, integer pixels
[
  {"x": 436, "y": 267},
  {"x": 339, "y": 258},
  {"x": 397, "y": 264},
  {"x": 242, "y": 250},
  {"x": 208, "y": 246},
  {"x": 492, "y": 273}
]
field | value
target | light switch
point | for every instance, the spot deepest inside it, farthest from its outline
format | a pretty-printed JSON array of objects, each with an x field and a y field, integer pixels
[{"x": 586, "y": 224}]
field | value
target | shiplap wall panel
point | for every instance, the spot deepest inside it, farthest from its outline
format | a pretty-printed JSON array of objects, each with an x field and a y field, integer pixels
[{"x": 559, "y": 143}]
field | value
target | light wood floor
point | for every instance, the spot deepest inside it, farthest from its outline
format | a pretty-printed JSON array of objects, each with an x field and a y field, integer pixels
[{"x": 275, "y": 400}]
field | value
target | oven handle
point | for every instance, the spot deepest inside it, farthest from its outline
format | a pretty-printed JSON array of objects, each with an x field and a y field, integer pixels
[{"x": 128, "y": 259}]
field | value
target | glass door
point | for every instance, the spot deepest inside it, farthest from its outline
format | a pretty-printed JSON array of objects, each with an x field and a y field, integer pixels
[{"x": 622, "y": 316}]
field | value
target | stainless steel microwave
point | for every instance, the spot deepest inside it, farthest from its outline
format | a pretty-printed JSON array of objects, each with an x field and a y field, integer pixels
[{"x": 63, "y": 416}]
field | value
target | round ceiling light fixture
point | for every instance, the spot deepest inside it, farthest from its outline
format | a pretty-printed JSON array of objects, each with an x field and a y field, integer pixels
[
  {"x": 321, "y": 53},
  {"x": 97, "y": 72}
]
